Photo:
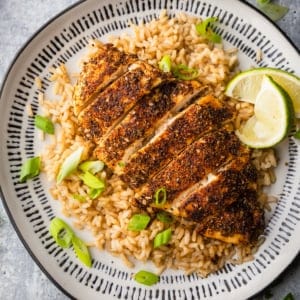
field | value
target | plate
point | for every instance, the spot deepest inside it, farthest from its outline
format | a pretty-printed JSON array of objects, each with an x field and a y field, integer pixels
[{"x": 30, "y": 207}]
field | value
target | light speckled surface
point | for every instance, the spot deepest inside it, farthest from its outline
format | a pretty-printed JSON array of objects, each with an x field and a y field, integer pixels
[{"x": 20, "y": 277}]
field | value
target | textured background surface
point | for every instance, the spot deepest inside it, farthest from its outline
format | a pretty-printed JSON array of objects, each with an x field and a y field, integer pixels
[{"x": 20, "y": 277}]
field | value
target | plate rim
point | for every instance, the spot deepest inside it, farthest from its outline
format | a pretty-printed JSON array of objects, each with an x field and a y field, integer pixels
[{"x": 2, "y": 87}]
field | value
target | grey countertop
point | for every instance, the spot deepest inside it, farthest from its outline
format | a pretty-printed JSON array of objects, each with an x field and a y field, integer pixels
[{"x": 20, "y": 277}]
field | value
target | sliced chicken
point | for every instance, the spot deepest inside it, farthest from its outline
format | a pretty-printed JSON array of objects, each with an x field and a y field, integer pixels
[
  {"x": 105, "y": 66},
  {"x": 241, "y": 222},
  {"x": 150, "y": 130},
  {"x": 216, "y": 189},
  {"x": 112, "y": 105},
  {"x": 196, "y": 162},
  {"x": 225, "y": 187},
  {"x": 227, "y": 209},
  {"x": 141, "y": 122},
  {"x": 203, "y": 116}
]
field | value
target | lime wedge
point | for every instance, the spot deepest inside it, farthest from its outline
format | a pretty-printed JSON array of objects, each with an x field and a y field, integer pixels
[
  {"x": 273, "y": 116},
  {"x": 246, "y": 85}
]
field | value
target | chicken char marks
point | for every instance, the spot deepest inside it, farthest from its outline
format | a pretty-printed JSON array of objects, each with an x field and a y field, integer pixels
[
  {"x": 142, "y": 121},
  {"x": 225, "y": 205},
  {"x": 106, "y": 65},
  {"x": 155, "y": 131},
  {"x": 113, "y": 103},
  {"x": 198, "y": 118},
  {"x": 196, "y": 162}
]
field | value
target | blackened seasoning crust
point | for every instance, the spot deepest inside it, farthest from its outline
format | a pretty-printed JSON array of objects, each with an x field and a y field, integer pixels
[
  {"x": 142, "y": 121},
  {"x": 112, "y": 104},
  {"x": 205, "y": 115},
  {"x": 104, "y": 67},
  {"x": 149, "y": 129}
]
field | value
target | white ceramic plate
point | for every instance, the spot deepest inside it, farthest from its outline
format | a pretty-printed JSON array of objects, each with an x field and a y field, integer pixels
[{"x": 30, "y": 206}]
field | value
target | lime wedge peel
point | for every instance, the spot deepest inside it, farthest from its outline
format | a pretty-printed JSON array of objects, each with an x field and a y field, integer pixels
[
  {"x": 273, "y": 116},
  {"x": 246, "y": 85}
]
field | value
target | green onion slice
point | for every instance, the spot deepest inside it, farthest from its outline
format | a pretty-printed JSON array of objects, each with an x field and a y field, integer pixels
[
  {"x": 30, "y": 168},
  {"x": 202, "y": 27},
  {"x": 162, "y": 238},
  {"x": 184, "y": 72},
  {"x": 121, "y": 164},
  {"x": 297, "y": 134},
  {"x": 138, "y": 222},
  {"x": 69, "y": 165},
  {"x": 79, "y": 198},
  {"x": 145, "y": 277},
  {"x": 44, "y": 124},
  {"x": 61, "y": 232},
  {"x": 160, "y": 196},
  {"x": 82, "y": 251},
  {"x": 92, "y": 181},
  {"x": 204, "y": 30},
  {"x": 164, "y": 217},
  {"x": 262, "y": 2},
  {"x": 64, "y": 237},
  {"x": 274, "y": 11},
  {"x": 94, "y": 193},
  {"x": 165, "y": 63},
  {"x": 92, "y": 166},
  {"x": 289, "y": 296},
  {"x": 214, "y": 37}
]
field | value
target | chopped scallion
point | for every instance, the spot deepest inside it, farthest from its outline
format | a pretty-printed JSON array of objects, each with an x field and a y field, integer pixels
[
  {"x": 145, "y": 277},
  {"x": 30, "y": 168},
  {"x": 274, "y": 11},
  {"x": 94, "y": 193},
  {"x": 202, "y": 27},
  {"x": 61, "y": 232},
  {"x": 92, "y": 166},
  {"x": 214, "y": 37},
  {"x": 82, "y": 251},
  {"x": 164, "y": 217},
  {"x": 121, "y": 164},
  {"x": 160, "y": 196},
  {"x": 204, "y": 30},
  {"x": 44, "y": 124},
  {"x": 262, "y": 2},
  {"x": 162, "y": 238},
  {"x": 184, "y": 72},
  {"x": 138, "y": 222},
  {"x": 289, "y": 296},
  {"x": 79, "y": 198},
  {"x": 65, "y": 237},
  {"x": 69, "y": 165},
  {"x": 297, "y": 134},
  {"x": 165, "y": 63},
  {"x": 92, "y": 181}
]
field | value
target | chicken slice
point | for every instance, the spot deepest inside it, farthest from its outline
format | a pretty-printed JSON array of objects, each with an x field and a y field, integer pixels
[
  {"x": 221, "y": 200},
  {"x": 226, "y": 186},
  {"x": 227, "y": 209},
  {"x": 241, "y": 222},
  {"x": 112, "y": 104},
  {"x": 105, "y": 66},
  {"x": 221, "y": 187},
  {"x": 203, "y": 116},
  {"x": 142, "y": 121},
  {"x": 195, "y": 163}
]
